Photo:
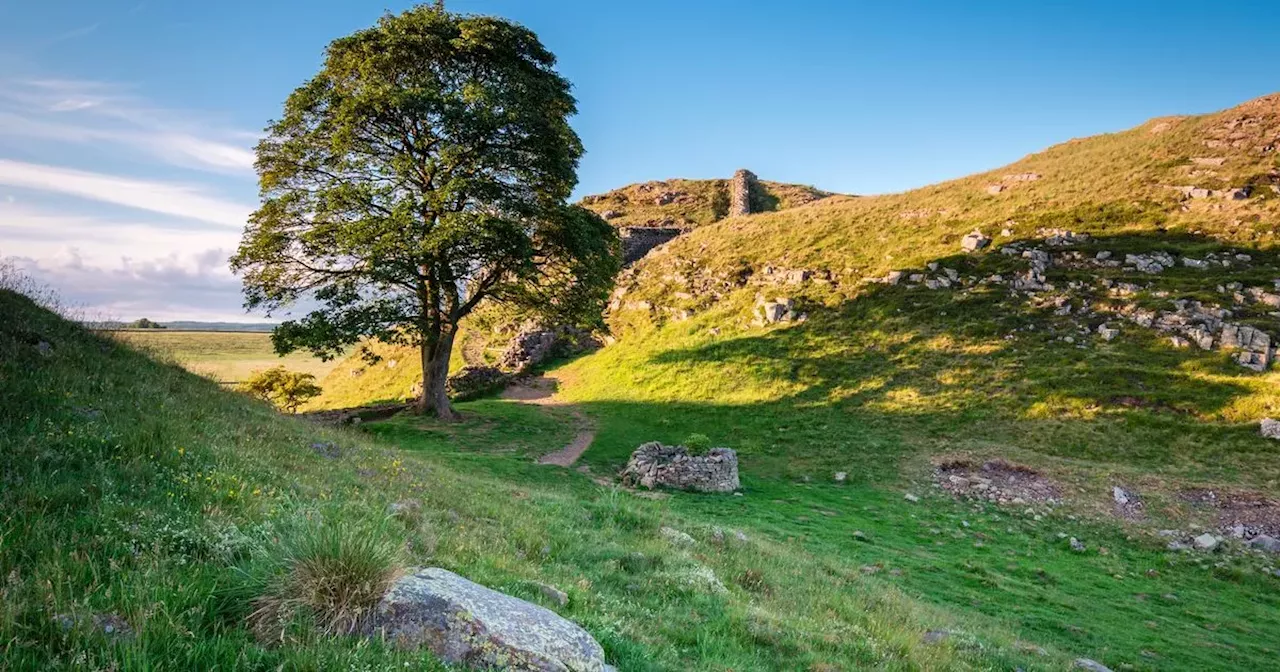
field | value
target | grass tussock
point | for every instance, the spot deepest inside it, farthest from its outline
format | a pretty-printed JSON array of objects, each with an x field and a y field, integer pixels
[{"x": 330, "y": 575}]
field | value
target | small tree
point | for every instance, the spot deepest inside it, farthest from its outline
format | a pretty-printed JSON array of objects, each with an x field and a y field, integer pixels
[
  {"x": 424, "y": 170},
  {"x": 287, "y": 390}
]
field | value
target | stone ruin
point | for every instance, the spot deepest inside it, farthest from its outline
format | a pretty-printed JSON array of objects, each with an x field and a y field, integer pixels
[
  {"x": 740, "y": 192},
  {"x": 638, "y": 241},
  {"x": 653, "y": 465}
]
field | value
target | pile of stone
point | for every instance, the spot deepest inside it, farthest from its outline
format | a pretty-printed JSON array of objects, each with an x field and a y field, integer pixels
[
  {"x": 655, "y": 465},
  {"x": 535, "y": 344},
  {"x": 1206, "y": 327},
  {"x": 1154, "y": 262},
  {"x": 996, "y": 481}
]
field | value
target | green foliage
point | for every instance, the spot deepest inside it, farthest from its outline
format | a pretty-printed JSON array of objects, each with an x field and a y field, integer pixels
[
  {"x": 286, "y": 389},
  {"x": 697, "y": 443},
  {"x": 144, "y": 323},
  {"x": 423, "y": 170}
]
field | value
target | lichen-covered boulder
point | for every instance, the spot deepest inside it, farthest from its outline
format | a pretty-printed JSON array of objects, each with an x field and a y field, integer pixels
[
  {"x": 654, "y": 464},
  {"x": 465, "y": 623}
]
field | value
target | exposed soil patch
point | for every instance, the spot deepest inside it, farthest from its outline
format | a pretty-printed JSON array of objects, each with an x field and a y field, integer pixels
[
  {"x": 995, "y": 481},
  {"x": 1241, "y": 514},
  {"x": 541, "y": 391}
]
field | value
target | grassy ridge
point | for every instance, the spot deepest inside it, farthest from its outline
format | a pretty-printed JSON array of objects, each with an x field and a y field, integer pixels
[
  {"x": 224, "y": 356},
  {"x": 140, "y": 496},
  {"x": 691, "y": 203}
]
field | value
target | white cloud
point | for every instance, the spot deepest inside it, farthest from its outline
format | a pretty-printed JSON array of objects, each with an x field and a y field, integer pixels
[
  {"x": 162, "y": 251},
  {"x": 174, "y": 287},
  {"x": 161, "y": 197}
]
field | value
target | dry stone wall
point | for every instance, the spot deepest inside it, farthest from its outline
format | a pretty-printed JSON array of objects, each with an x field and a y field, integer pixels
[
  {"x": 638, "y": 241},
  {"x": 654, "y": 464}
]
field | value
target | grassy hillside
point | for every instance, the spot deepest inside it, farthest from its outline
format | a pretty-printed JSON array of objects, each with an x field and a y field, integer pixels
[
  {"x": 691, "y": 203},
  {"x": 905, "y": 388},
  {"x": 149, "y": 515},
  {"x": 1126, "y": 183}
]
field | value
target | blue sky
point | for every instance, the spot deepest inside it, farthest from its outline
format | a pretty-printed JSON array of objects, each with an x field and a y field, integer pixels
[{"x": 126, "y": 126}]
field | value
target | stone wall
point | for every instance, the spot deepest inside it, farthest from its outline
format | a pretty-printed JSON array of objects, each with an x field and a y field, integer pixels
[
  {"x": 740, "y": 192},
  {"x": 654, "y": 464},
  {"x": 637, "y": 241}
]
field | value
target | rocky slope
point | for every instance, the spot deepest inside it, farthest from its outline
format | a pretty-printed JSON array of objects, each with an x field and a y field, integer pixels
[{"x": 1180, "y": 209}]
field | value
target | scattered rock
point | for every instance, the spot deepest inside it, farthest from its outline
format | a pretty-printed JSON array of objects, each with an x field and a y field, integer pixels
[
  {"x": 654, "y": 464},
  {"x": 553, "y": 594},
  {"x": 1077, "y": 545},
  {"x": 911, "y": 498},
  {"x": 465, "y": 623},
  {"x": 994, "y": 189},
  {"x": 676, "y": 537},
  {"x": 974, "y": 241},
  {"x": 772, "y": 312},
  {"x": 1205, "y": 542},
  {"x": 1270, "y": 428},
  {"x": 1266, "y": 543},
  {"x": 995, "y": 481},
  {"x": 841, "y": 476},
  {"x": 408, "y": 510},
  {"x": 327, "y": 449},
  {"x": 1090, "y": 665},
  {"x": 935, "y": 636}
]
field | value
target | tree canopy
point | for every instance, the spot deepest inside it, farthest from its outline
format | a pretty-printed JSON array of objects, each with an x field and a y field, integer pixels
[{"x": 423, "y": 170}]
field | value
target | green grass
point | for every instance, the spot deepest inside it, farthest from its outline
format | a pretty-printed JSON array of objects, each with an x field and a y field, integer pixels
[
  {"x": 225, "y": 356},
  {"x": 137, "y": 492}
]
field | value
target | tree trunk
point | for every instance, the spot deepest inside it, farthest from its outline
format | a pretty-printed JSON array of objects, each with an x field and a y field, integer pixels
[{"x": 435, "y": 374}]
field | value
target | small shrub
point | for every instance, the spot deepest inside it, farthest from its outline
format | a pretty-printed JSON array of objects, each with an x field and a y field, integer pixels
[
  {"x": 697, "y": 443},
  {"x": 334, "y": 574},
  {"x": 287, "y": 390}
]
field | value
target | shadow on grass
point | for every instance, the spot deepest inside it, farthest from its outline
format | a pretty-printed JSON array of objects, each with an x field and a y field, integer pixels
[{"x": 895, "y": 370}]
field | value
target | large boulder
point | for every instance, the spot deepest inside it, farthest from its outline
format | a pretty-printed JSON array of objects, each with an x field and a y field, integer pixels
[
  {"x": 465, "y": 623},
  {"x": 653, "y": 465}
]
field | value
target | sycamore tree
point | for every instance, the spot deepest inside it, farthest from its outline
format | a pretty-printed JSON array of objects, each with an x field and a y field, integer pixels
[{"x": 424, "y": 170}]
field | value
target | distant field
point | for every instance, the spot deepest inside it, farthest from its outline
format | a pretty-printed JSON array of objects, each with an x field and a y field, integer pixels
[{"x": 225, "y": 356}]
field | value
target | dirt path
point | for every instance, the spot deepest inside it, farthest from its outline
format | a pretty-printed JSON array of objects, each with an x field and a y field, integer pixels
[{"x": 541, "y": 391}]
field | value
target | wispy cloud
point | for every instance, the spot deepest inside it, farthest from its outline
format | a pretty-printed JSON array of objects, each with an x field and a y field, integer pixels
[
  {"x": 100, "y": 214},
  {"x": 178, "y": 200},
  {"x": 74, "y": 111}
]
